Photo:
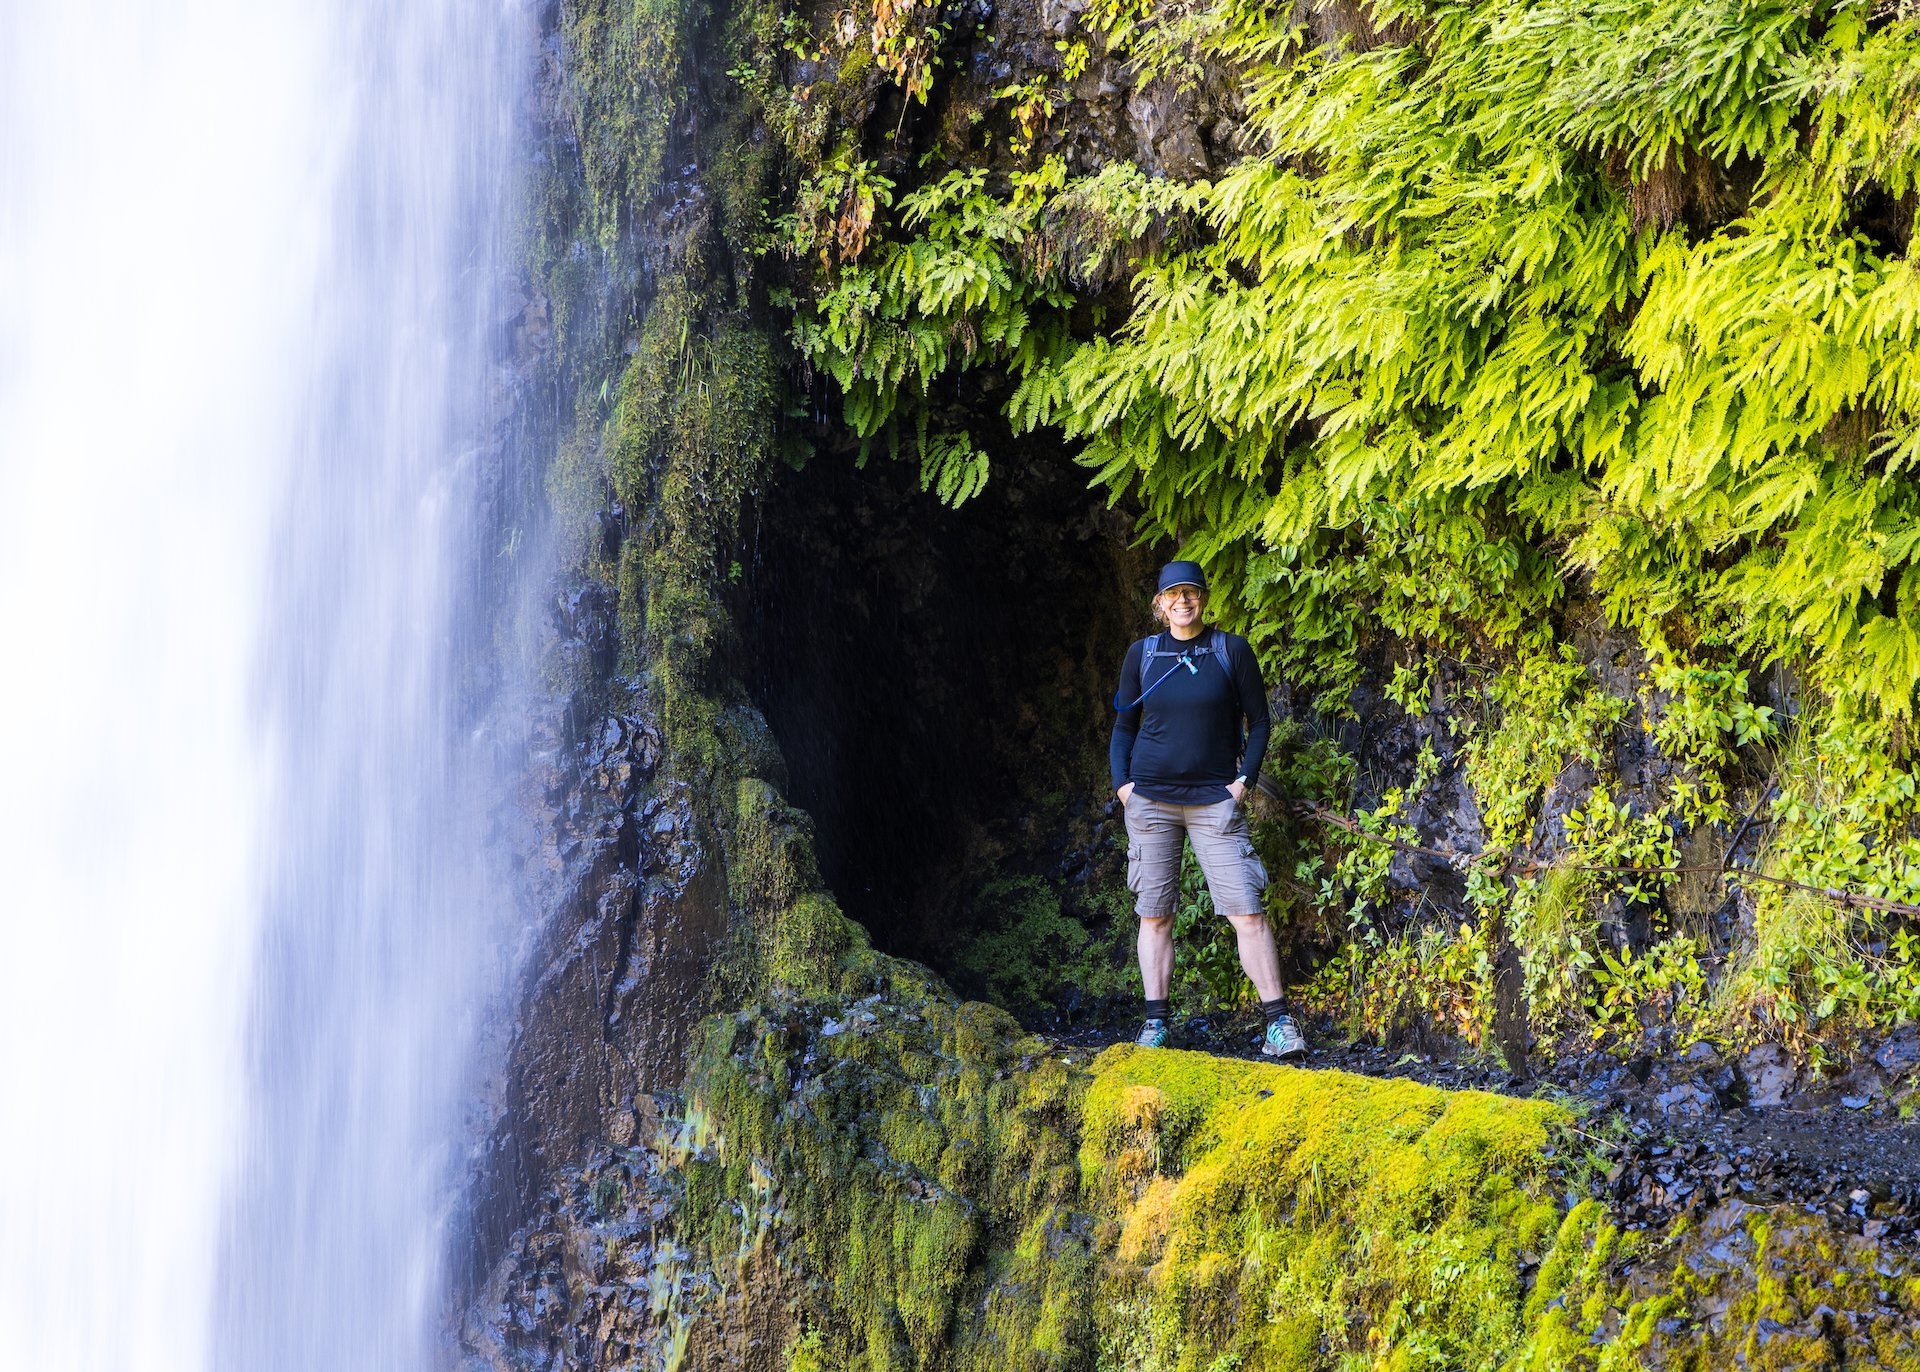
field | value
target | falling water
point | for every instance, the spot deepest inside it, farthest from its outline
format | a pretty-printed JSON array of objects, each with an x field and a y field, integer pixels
[{"x": 248, "y": 264}]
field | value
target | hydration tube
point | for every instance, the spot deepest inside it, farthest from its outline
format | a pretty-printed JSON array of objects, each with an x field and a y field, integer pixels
[{"x": 1183, "y": 661}]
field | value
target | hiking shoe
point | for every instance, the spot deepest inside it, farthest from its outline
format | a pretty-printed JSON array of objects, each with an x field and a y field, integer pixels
[
  {"x": 1154, "y": 1035},
  {"x": 1284, "y": 1040}
]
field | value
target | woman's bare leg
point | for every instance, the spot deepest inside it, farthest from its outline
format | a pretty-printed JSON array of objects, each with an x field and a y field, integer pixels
[
  {"x": 1156, "y": 956},
  {"x": 1258, "y": 956}
]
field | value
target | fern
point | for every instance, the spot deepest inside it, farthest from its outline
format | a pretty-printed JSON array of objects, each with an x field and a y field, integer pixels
[{"x": 1522, "y": 310}]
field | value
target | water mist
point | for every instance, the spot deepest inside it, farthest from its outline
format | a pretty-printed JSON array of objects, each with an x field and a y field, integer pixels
[{"x": 249, "y": 264}]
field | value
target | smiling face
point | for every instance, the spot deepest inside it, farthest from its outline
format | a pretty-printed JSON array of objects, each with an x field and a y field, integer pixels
[{"x": 1181, "y": 607}]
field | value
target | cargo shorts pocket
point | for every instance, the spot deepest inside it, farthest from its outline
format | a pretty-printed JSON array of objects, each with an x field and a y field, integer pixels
[
  {"x": 1133, "y": 866},
  {"x": 1235, "y": 826},
  {"x": 1256, "y": 869}
]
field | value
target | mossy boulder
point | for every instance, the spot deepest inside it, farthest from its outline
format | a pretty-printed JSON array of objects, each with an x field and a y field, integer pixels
[
  {"x": 1747, "y": 1287},
  {"x": 1286, "y": 1217},
  {"x": 912, "y": 1158}
]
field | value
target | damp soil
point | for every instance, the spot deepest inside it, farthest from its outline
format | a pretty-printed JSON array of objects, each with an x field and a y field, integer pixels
[{"x": 1678, "y": 1135}]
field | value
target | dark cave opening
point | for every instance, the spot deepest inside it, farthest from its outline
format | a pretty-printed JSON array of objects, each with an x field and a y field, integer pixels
[{"x": 940, "y": 680}]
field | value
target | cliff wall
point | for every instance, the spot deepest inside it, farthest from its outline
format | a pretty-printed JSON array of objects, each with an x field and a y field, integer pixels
[{"x": 812, "y": 288}]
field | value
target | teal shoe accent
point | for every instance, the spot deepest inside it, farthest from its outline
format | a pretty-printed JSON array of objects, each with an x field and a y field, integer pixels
[{"x": 1284, "y": 1040}]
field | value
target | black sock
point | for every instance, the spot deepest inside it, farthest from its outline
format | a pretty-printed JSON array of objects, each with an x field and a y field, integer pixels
[
  {"x": 1157, "y": 1009},
  {"x": 1271, "y": 1010}
]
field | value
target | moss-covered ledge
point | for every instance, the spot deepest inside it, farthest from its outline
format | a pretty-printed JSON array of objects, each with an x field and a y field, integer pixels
[
  {"x": 912, "y": 1159},
  {"x": 939, "y": 1190},
  {"x": 954, "y": 1194}
]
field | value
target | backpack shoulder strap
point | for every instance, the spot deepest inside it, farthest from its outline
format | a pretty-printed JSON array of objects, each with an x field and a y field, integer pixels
[
  {"x": 1222, "y": 647},
  {"x": 1147, "y": 654}
]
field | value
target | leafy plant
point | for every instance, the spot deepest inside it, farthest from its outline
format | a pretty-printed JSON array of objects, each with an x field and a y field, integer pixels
[
  {"x": 1663, "y": 985},
  {"x": 1206, "y": 972},
  {"x": 1033, "y": 956}
]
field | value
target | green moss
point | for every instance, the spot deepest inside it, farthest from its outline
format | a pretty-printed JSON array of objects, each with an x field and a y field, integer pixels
[
  {"x": 1267, "y": 1212},
  {"x": 626, "y": 78},
  {"x": 949, "y": 1195},
  {"x": 855, "y": 65},
  {"x": 1741, "y": 1287},
  {"x": 921, "y": 1160},
  {"x": 794, "y": 935}
]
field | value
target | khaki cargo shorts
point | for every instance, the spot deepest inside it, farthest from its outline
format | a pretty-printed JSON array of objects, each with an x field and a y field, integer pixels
[{"x": 1235, "y": 874}]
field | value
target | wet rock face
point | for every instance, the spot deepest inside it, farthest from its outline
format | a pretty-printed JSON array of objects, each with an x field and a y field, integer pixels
[
  {"x": 578, "y": 1290},
  {"x": 1770, "y": 1075},
  {"x": 623, "y": 877},
  {"x": 629, "y": 913}
]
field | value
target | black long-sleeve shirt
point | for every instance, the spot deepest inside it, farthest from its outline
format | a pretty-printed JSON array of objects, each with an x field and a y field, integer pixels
[{"x": 1182, "y": 744}]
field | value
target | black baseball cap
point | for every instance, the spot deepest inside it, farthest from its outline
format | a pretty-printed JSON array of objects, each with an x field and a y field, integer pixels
[{"x": 1182, "y": 574}]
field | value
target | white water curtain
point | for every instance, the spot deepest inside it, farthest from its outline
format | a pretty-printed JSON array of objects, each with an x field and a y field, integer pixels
[{"x": 248, "y": 265}]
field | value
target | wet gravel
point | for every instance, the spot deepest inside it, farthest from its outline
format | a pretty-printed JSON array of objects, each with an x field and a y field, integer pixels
[{"x": 1676, "y": 1133}]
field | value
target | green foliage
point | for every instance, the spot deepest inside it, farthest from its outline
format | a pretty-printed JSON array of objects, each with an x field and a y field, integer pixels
[
  {"x": 1553, "y": 927},
  {"x": 1207, "y": 975},
  {"x": 955, "y": 296},
  {"x": 951, "y": 467},
  {"x": 1844, "y": 818},
  {"x": 1542, "y": 713},
  {"x": 1846, "y": 810},
  {"x": 1603, "y": 834},
  {"x": 1031, "y": 956},
  {"x": 1432, "y": 977},
  {"x": 1705, "y": 715},
  {"x": 905, "y": 37},
  {"x": 1663, "y": 985},
  {"x": 1471, "y": 355}
]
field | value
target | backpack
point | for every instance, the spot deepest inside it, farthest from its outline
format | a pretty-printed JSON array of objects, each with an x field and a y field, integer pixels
[{"x": 1214, "y": 647}]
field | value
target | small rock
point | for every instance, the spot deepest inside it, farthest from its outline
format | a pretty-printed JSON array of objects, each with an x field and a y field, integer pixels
[
  {"x": 1729, "y": 1086},
  {"x": 1684, "y": 1099},
  {"x": 621, "y": 1128},
  {"x": 1856, "y": 1102},
  {"x": 1900, "y": 1054},
  {"x": 1770, "y": 1075}
]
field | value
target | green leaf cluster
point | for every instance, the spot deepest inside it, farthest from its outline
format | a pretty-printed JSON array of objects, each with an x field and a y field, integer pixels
[
  {"x": 1453, "y": 349},
  {"x": 1535, "y": 299}
]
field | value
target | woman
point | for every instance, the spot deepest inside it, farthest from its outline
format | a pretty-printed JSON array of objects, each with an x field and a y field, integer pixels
[{"x": 1178, "y": 768}]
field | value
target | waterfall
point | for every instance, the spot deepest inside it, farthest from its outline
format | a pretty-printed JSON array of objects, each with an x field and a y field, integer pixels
[{"x": 251, "y": 572}]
